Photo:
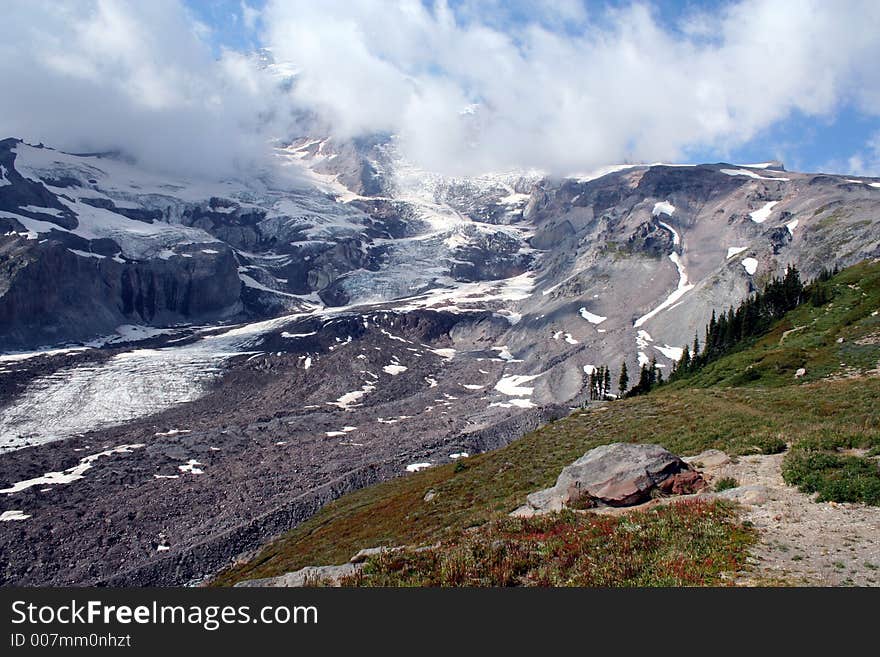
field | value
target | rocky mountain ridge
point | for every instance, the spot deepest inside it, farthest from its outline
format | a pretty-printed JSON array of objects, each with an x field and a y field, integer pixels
[{"x": 293, "y": 343}]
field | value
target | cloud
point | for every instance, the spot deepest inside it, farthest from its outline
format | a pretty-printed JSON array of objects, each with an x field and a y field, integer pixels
[
  {"x": 468, "y": 87},
  {"x": 98, "y": 75},
  {"x": 866, "y": 162},
  {"x": 249, "y": 15},
  {"x": 565, "y": 91}
]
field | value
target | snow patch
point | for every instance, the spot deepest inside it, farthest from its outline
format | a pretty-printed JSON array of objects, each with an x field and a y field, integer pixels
[
  {"x": 191, "y": 467},
  {"x": 394, "y": 370},
  {"x": 344, "y": 431},
  {"x": 663, "y": 207},
  {"x": 735, "y": 250},
  {"x": 676, "y": 238},
  {"x": 7, "y": 516},
  {"x": 86, "y": 254},
  {"x": 791, "y": 225},
  {"x": 512, "y": 385},
  {"x": 392, "y": 337},
  {"x": 590, "y": 317},
  {"x": 683, "y": 287},
  {"x": 254, "y": 284},
  {"x": 71, "y": 474},
  {"x": 750, "y": 174},
  {"x": 504, "y": 354},
  {"x": 415, "y": 467},
  {"x": 761, "y": 215},
  {"x": 350, "y": 398},
  {"x": 751, "y": 265},
  {"x": 672, "y": 353},
  {"x": 518, "y": 403}
]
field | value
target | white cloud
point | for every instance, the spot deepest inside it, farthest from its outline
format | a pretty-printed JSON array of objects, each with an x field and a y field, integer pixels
[
  {"x": 138, "y": 76},
  {"x": 249, "y": 15},
  {"x": 622, "y": 86},
  {"x": 557, "y": 87},
  {"x": 866, "y": 162}
]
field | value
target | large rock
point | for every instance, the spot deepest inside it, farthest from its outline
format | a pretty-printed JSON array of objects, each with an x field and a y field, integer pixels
[{"x": 620, "y": 474}]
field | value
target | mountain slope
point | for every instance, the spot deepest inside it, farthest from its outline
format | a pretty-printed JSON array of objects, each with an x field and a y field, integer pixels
[
  {"x": 834, "y": 410},
  {"x": 299, "y": 341}
]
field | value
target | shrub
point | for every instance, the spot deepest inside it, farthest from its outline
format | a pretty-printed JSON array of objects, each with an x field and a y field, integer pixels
[
  {"x": 725, "y": 483},
  {"x": 682, "y": 544},
  {"x": 835, "y": 477},
  {"x": 771, "y": 445}
]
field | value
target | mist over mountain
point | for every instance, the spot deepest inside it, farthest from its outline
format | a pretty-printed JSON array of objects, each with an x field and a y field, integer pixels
[{"x": 468, "y": 90}]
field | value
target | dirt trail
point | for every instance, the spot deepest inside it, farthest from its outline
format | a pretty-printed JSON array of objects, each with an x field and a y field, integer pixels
[{"x": 803, "y": 542}]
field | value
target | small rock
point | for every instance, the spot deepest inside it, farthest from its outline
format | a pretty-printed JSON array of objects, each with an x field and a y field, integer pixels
[
  {"x": 753, "y": 494},
  {"x": 711, "y": 458},
  {"x": 366, "y": 553},
  {"x": 430, "y": 495},
  {"x": 686, "y": 482},
  {"x": 800, "y": 372}
]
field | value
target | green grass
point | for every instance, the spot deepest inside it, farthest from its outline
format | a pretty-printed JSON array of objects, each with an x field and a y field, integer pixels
[
  {"x": 773, "y": 360},
  {"x": 738, "y": 421},
  {"x": 835, "y": 477},
  {"x": 725, "y": 483},
  {"x": 686, "y": 544},
  {"x": 712, "y": 409}
]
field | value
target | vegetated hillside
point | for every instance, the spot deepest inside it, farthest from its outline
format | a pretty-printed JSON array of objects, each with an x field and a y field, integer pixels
[{"x": 747, "y": 401}]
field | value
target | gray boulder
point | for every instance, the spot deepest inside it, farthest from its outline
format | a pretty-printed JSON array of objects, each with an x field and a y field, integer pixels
[
  {"x": 308, "y": 576},
  {"x": 620, "y": 474}
]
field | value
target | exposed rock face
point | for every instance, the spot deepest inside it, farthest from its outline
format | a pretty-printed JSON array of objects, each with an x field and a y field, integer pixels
[
  {"x": 327, "y": 575},
  {"x": 310, "y": 575},
  {"x": 619, "y": 474},
  {"x": 113, "y": 239},
  {"x": 52, "y": 295}
]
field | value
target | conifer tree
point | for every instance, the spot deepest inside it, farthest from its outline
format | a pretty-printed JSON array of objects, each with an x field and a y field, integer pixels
[
  {"x": 644, "y": 383},
  {"x": 623, "y": 381}
]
